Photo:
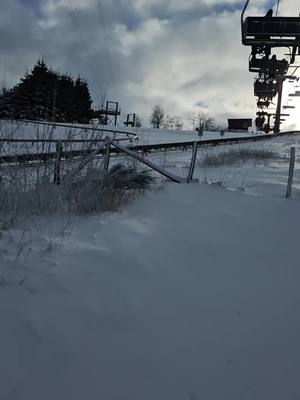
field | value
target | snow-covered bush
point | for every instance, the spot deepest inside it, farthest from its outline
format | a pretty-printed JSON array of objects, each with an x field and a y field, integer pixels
[
  {"x": 104, "y": 191},
  {"x": 27, "y": 189},
  {"x": 90, "y": 191}
]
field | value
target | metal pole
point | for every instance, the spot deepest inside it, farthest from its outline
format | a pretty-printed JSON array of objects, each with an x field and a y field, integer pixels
[
  {"x": 278, "y": 110},
  {"x": 107, "y": 153},
  {"x": 193, "y": 161},
  {"x": 291, "y": 173},
  {"x": 106, "y": 113},
  {"x": 131, "y": 153},
  {"x": 116, "y": 115},
  {"x": 59, "y": 148},
  {"x": 243, "y": 12}
]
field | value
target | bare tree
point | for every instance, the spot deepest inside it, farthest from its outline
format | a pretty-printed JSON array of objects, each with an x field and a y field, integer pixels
[
  {"x": 157, "y": 117},
  {"x": 174, "y": 122},
  {"x": 204, "y": 121},
  {"x": 178, "y": 123}
]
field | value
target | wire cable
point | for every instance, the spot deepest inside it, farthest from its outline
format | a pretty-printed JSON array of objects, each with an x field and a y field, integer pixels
[
  {"x": 76, "y": 23},
  {"x": 80, "y": 34},
  {"x": 278, "y": 1},
  {"x": 105, "y": 38}
]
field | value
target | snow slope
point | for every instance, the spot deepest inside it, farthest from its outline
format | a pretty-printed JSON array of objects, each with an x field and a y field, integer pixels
[
  {"x": 191, "y": 293},
  {"x": 267, "y": 177},
  {"x": 28, "y": 130}
]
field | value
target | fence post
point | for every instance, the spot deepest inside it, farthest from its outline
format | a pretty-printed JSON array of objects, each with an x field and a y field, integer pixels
[
  {"x": 200, "y": 132},
  {"x": 59, "y": 148},
  {"x": 291, "y": 173},
  {"x": 193, "y": 161},
  {"x": 107, "y": 153}
]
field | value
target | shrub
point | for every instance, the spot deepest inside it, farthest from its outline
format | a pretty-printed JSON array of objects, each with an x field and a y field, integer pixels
[
  {"x": 106, "y": 191},
  {"x": 91, "y": 191}
]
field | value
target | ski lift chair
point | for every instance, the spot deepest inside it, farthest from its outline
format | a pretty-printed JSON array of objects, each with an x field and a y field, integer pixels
[
  {"x": 259, "y": 122},
  {"x": 261, "y": 103},
  {"x": 261, "y": 113},
  {"x": 266, "y": 86},
  {"x": 266, "y": 65},
  {"x": 265, "y": 91},
  {"x": 271, "y": 31},
  {"x": 288, "y": 107}
]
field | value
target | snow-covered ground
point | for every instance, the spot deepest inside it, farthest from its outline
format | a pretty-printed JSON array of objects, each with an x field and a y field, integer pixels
[
  {"x": 262, "y": 177},
  {"x": 23, "y": 130},
  {"x": 267, "y": 177},
  {"x": 151, "y": 136},
  {"x": 190, "y": 293}
]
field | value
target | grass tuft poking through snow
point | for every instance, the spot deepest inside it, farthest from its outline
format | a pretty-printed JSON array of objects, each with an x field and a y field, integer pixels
[
  {"x": 234, "y": 156},
  {"x": 106, "y": 191},
  {"x": 92, "y": 190}
]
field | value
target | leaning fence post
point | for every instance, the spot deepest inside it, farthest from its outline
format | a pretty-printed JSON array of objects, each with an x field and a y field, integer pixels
[
  {"x": 107, "y": 153},
  {"x": 193, "y": 161},
  {"x": 291, "y": 173},
  {"x": 59, "y": 148}
]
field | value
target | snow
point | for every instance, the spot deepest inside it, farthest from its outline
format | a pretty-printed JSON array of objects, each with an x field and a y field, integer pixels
[
  {"x": 27, "y": 130},
  {"x": 266, "y": 177},
  {"x": 151, "y": 136},
  {"x": 192, "y": 292}
]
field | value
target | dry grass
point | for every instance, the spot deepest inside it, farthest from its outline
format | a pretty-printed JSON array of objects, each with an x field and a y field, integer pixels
[
  {"x": 237, "y": 156},
  {"x": 27, "y": 191},
  {"x": 88, "y": 192}
]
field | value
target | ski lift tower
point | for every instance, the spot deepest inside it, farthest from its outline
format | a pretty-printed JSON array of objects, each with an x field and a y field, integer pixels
[
  {"x": 130, "y": 120},
  {"x": 264, "y": 34},
  {"x": 109, "y": 114},
  {"x": 271, "y": 32}
]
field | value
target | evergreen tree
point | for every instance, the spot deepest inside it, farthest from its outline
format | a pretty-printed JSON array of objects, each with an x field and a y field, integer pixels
[
  {"x": 83, "y": 101},
  {"x": 47, "y": 95}
]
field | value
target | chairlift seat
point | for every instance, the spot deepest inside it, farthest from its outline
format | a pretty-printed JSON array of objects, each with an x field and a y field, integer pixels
[
  {"x": 266, "y": 90},
  {"x": 274, "y": 31},
  {"x": 261, "y": 113},
  {"x": 259, "y": 122},
  {"x": 263, "y": 103},
  {"x": 279, "y": 67},
  {"x": 296, "y": 94}
]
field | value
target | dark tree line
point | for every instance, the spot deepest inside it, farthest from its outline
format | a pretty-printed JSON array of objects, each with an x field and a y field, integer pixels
[{"x": 45, "y": 94}]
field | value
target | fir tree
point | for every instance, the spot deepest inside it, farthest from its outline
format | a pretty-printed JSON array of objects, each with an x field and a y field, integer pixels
[{"x": 44, "y": 94}]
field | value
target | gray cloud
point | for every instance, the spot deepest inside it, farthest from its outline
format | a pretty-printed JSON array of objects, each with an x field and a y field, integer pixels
[{"x": 186, "y": 55}]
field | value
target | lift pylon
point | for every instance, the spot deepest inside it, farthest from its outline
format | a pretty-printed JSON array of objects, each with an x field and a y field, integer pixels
[{"x": 264, "y": 34}]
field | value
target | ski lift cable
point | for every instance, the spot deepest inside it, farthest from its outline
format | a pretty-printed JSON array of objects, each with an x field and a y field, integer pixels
[
  {"x": 76, "y": 22},
  {"x": 278, "y": 1},
  {"x": 75, "y": 19},
  {"x": 100, "y": 15},
  {"x": 106, "y": 39},
  {"x": 77, "y": 26}
]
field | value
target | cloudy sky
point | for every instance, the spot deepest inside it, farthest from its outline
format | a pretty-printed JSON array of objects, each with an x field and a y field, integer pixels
[{"x": 183, "y": 54}]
